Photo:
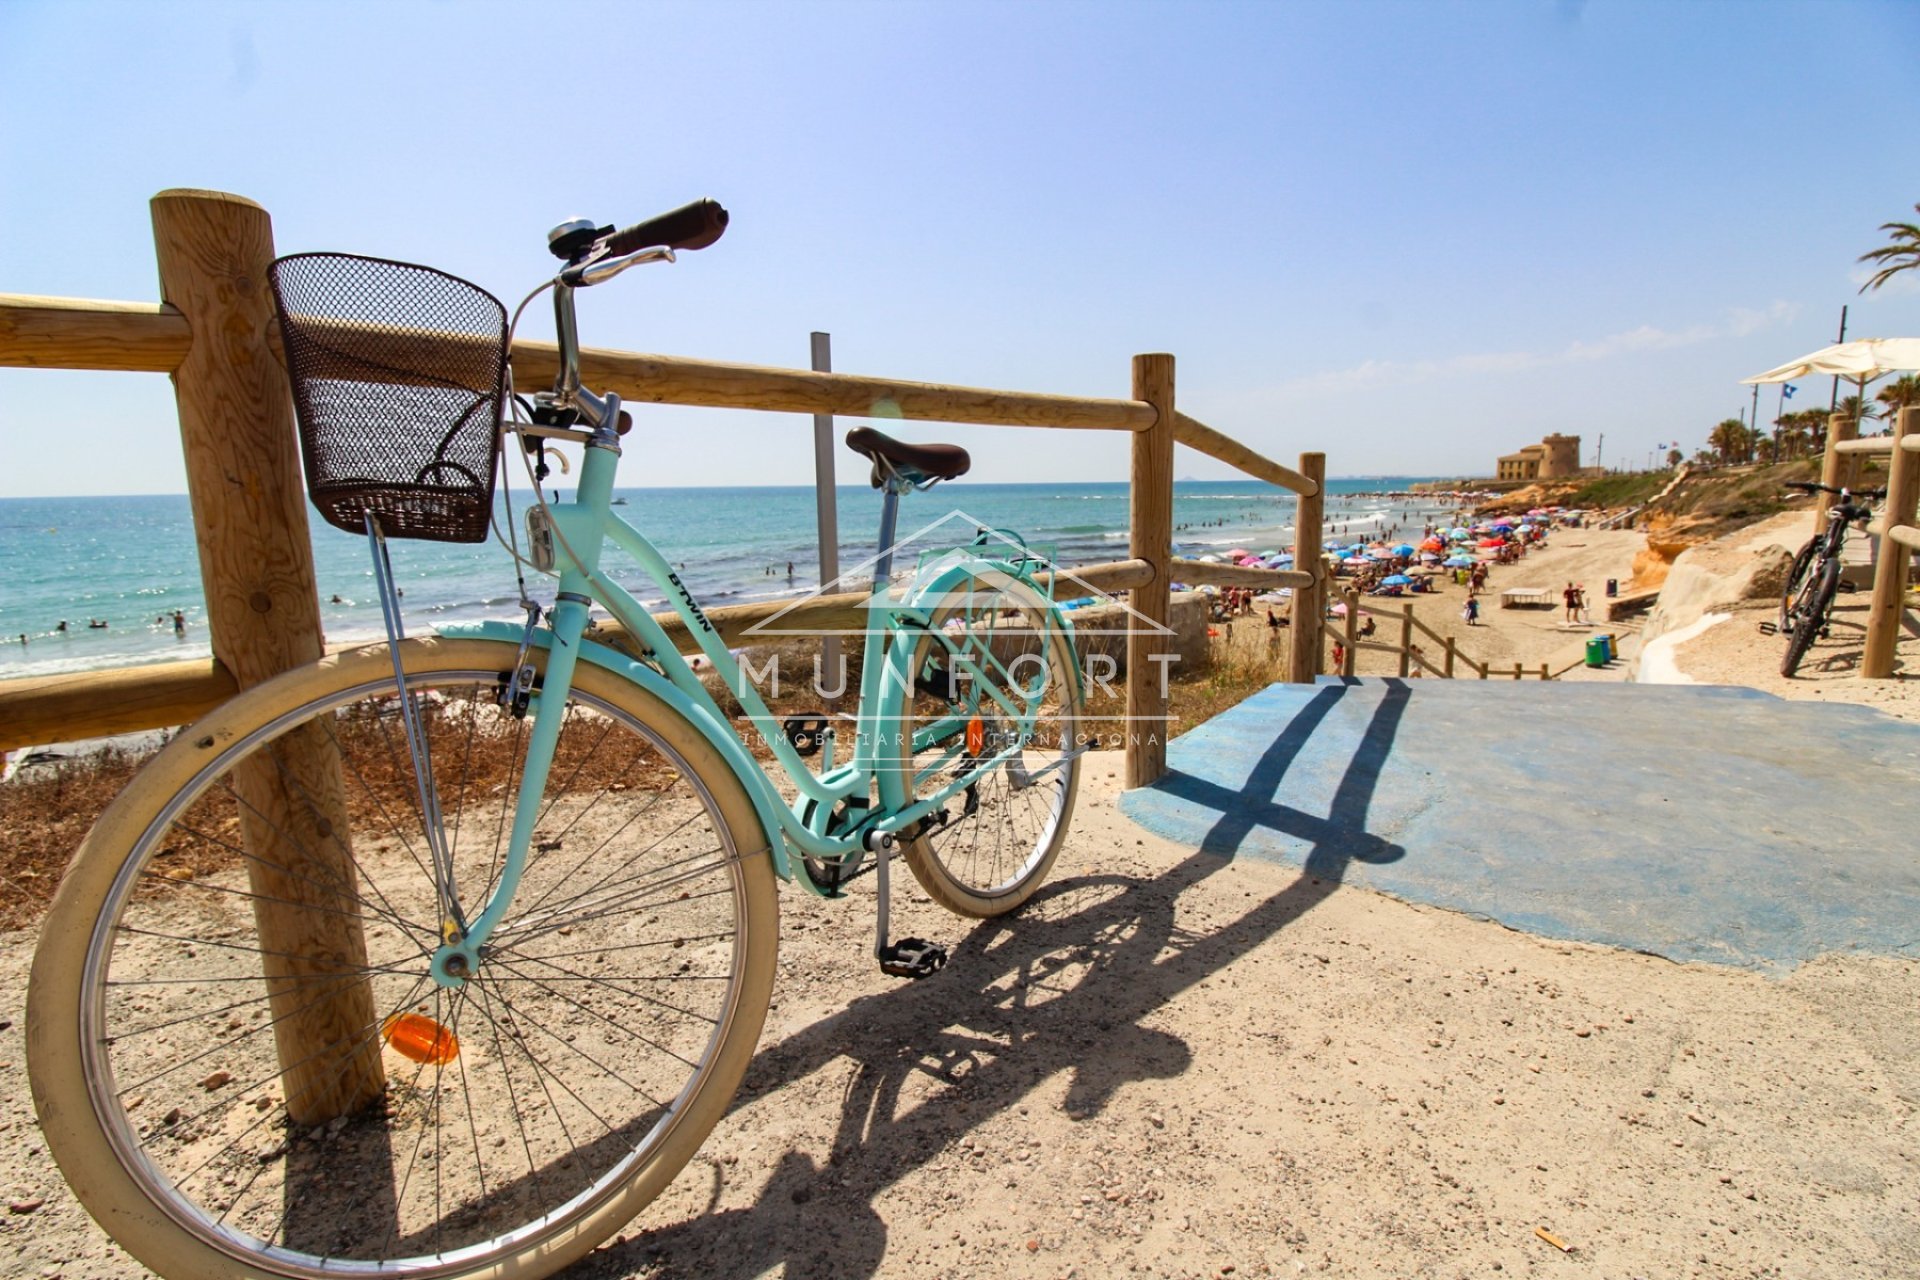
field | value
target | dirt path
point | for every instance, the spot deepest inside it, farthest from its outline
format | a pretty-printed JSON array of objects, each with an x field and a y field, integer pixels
[{"x": 1176, "y": 1065}]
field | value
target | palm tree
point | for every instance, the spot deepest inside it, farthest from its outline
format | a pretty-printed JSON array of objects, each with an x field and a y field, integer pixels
[
  {"x": 1857, "y": 408},
  {"x": 1731, "y": 440},
  {"x": 1675, "y": 457},
  {"x": 1901, "y": 393},
  {"x": 1902, "y": 253}
]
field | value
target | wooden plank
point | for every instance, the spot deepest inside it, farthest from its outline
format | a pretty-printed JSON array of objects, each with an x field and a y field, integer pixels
[
  {"x": 40, "y": 710},
  {"x": 1234, "y": 575},
  {"x": 86, "y": 333},
  {"x": 657, "y": 379},
  {"x": 1876, "y": 444},
  {"x": 1906, "y": 535},
  {"x": 1150, "y": 507},
  {"x": 1200, "y": 436},
  {"x": 263, "y": 613}
]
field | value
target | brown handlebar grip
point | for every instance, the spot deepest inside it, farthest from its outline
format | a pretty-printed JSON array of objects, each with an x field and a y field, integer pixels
[{"x": 691, "y": 226}]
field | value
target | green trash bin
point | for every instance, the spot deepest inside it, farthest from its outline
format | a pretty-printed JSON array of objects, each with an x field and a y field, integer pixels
[{"x": 1597, "y": 652}]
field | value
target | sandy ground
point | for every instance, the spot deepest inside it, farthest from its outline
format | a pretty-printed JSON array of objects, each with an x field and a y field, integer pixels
[
  {"x": 1529, "y": 635},
  {"x": 1734, "y": 651},
  {"x": 1172, "y": 1064}
]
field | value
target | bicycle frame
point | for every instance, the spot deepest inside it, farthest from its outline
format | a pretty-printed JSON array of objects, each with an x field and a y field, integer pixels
[{"x": 583, "y": 528}]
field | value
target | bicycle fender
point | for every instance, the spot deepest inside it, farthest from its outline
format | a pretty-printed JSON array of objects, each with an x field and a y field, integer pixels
[{"x": 766, "y": 807}]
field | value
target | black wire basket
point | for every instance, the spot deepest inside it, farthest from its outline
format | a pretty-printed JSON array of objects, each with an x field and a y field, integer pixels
[{"x": 399, "y": 375}]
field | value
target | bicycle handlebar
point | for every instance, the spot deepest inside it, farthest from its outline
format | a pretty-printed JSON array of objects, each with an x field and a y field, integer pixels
[
  {"x": 1813, "y": 487},
  {"x": 691, "y": 226}
]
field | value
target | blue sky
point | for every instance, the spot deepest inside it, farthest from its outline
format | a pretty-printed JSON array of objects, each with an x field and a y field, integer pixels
[{"x": 1413, "y": 235}]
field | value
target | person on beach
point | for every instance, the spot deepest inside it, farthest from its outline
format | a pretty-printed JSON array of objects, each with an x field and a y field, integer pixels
[
  {"x": 1472, "y": 611},
  {"x": 1572, "y": 596},
  {"x": 1366, "y": 627},
  {"x": 62, "y": 628},
  {"x": 1339, "y": 658},
  {"x": 179, "y": 623}
]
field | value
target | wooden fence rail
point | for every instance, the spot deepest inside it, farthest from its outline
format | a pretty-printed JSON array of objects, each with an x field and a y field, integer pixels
[{"x": 1411, "y": 655}]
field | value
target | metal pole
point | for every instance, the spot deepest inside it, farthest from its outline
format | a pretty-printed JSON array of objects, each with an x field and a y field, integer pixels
[
  {"x": 1833, "y": 403},
  {"x": 831, "y": 671}
]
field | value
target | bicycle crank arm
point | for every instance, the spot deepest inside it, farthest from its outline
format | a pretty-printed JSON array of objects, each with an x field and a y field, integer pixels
[{"x": 909, "y": 957}]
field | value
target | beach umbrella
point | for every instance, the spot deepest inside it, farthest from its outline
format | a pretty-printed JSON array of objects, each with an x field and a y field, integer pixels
[
  {"x": 1493, "y": 542},
  {"x": 1381, "y": 554},
  {"x": 1209, "y": 558},
  {"x": 1459, "y": 562},
  {"x": 1430, "y": 556},
  {"x": 1862, "y": 360},
  {"x": 1404, "y": 549},
  {"x": 1339, "y": 610},
  {"x": 1458, "y": 533},
  {"x": 1238, "y": 552},
  {"x": 1396, "y": 580}
]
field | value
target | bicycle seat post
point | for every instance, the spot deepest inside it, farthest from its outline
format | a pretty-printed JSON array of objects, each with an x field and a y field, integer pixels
[{"x": 896, "y": 485}]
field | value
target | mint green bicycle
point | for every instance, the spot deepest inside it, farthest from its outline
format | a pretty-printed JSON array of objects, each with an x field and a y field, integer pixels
[{"x": 442, "y": 957}]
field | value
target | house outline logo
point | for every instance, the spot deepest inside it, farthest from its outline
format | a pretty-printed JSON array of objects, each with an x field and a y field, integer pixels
[{"x": 958, "y": 552}]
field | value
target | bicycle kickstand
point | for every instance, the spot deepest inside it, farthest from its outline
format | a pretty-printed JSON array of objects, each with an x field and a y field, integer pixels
[{"x": 909, "y": 957}]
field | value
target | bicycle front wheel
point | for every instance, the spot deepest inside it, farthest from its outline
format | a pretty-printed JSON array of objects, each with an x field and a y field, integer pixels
[
  {"x": 1808, "y": 614},
  {"x": 1798, "y": 574},
  {"x": 240, "y": 1058},
  {"x": 993, "y": 677}
]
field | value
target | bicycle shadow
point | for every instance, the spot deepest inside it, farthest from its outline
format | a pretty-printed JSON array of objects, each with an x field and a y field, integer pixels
[{"x": 1065, "y": 985}]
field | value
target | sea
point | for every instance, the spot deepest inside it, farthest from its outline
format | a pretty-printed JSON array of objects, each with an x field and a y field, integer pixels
[{"x": 131, "y": 562}]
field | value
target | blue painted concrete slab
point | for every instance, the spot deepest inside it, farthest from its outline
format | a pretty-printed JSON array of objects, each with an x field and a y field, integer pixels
[{"x": 1694, "y": 822}]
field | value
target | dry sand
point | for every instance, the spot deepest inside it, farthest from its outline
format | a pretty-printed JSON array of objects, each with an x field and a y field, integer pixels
[{"x": 1176, "y": 1065}]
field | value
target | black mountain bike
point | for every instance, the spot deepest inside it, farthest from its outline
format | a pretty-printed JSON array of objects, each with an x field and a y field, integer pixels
[{"x": 1807, "y": 601}]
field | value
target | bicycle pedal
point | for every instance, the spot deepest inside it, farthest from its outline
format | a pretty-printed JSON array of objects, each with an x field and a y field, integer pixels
[
  {"x": 913, "y": 958},
  {"x": 1846, "y": 587},
  {"x": 805, "y": 732},
  {"x": 1769, "y": 628}
]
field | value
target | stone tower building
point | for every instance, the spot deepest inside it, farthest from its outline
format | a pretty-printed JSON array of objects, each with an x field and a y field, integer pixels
[{"x": 1560, "y": 456}]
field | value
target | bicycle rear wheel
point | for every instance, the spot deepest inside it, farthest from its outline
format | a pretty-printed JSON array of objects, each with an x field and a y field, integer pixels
[
  {"x": 499, "y": 1127},
  {"x": 1808, "y": 614},
  {"x": 995, "y": 672}
]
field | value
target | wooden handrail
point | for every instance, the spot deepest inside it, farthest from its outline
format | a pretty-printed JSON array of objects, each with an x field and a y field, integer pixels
[
  {"x": 1237, "y": 575},
  {"x": 1874, "y": 444},
  {"x": 83, "y": 333},
  {"x": 95, "y": 704},
  {"x": 66, "y": 333},
  {"x": 1200, "y": 436}
]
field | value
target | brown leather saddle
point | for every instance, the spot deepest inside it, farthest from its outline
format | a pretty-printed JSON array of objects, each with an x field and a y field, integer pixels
[{"x": 919, "y": 463}]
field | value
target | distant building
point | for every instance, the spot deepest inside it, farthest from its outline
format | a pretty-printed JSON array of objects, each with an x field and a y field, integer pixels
[{"x": 1553, "y": 458}]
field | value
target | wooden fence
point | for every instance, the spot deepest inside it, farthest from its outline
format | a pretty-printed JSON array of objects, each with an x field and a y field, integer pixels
[
  {"x": 1451, "y": 658},
  {"x": 214, "y": 333},
  {"x": 1896, "y": 524}
]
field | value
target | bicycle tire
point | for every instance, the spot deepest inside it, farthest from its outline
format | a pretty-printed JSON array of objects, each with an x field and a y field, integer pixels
[
  {"x": 679, "y": 1007},
  {"x": 1027, "y": 806},
  {"x": 1797, "y": 575},
  {"x": 1809, "y": 614}
]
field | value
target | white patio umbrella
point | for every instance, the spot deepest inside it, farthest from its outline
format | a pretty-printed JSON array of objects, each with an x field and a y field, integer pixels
[{"x": 1862, "y": 360}]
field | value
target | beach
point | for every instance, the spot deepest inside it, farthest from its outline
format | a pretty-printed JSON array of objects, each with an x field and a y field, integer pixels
[{"x": 1180, "y": 1065}]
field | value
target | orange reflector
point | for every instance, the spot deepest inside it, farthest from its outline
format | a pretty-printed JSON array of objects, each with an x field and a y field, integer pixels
[
  {"x": 976, "y": 736},
  {"x": 416, "y": 1036}
]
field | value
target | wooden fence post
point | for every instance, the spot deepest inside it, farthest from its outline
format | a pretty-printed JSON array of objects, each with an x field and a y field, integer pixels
[
  {"x": 1449, "y": 658},
  {"x": 1835, "y": 467},
  {"x": 1309, "y": 603},
  {"x": 263, "y": 615},
  {"x": 1150, "y": 509},
  {"x": 1890, "y": 574},
  {"x": 1406, "y": 640}
]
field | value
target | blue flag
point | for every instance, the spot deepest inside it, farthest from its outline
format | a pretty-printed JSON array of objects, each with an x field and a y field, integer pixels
[{"x": 1786, "y": 390}]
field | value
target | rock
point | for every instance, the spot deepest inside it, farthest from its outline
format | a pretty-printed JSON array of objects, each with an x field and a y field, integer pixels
[
  {"x": 216, "y": 1080},
  {"x": 29, "y": 1205}
]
